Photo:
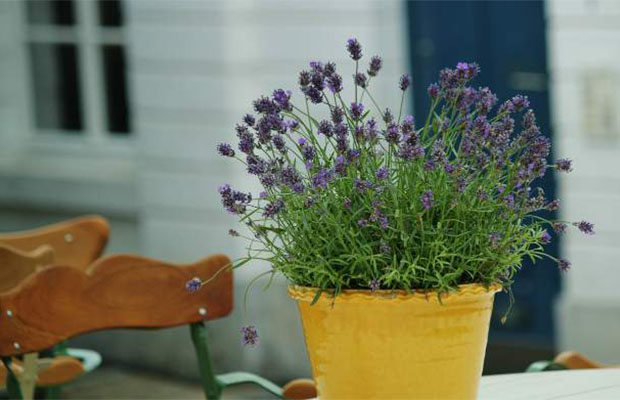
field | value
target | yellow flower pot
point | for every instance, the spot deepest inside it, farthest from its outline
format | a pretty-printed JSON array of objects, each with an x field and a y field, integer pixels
[{"x": 387, "y": 344}]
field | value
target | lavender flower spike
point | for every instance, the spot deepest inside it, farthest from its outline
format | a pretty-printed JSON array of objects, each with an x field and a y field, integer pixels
[
  {"x": 564, "y": 264},
  {"x": 249, "y": 336},
  {"x": 357, "y": 109},
  {"x": 427, "y": 199},
  {"x": 375, "y": 65},
  {"x": 585, "y": 227},
  {"x": 564, "y": 165},
  {"x": 354, "y": 48},
  {"x": 404, "y": 82},
  {"x": 374, "y": 285},
  {"x": 382, "y": 173},
  {"x": 225, "y": 150},
  {"x": 193, "y": 285}
]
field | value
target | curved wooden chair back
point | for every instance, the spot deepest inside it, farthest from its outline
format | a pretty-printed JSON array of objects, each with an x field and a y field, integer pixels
[
  {"x": 122, "y": 291},
  {"x": 76, "y": 242},
  {"x": 17, "y": 265}
]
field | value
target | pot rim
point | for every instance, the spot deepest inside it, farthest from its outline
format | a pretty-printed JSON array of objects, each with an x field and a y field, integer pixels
[{"x": 306, "y": 293}]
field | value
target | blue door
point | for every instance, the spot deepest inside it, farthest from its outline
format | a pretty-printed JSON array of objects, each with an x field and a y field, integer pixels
[{"x": 507, "y": 39}]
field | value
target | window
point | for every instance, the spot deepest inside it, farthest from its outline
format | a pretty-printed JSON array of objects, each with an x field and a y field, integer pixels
[{"x": 77, "y": 72}]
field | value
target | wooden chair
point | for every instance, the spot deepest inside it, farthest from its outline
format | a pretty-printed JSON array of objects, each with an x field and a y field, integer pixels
[
  {"x": 77, "y": 243},
  {"x": 567, "y": 360},
  {"x": 124, "y": 291}
]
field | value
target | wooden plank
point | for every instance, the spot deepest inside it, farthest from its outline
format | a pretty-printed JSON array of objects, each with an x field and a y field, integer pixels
[
  {"x": 17, "y": 265},
  {"x": 121, "y": 291},
  {"x": 77, "y": 242}
]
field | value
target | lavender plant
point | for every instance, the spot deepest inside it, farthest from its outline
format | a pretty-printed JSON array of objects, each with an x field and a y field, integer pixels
[{"x": 373, "y": 199}]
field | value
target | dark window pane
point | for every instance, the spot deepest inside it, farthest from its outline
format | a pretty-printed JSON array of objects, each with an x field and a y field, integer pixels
[
  {"x": 115, "y": 80},
  {"x": 110, "y": 13},
  {"x": 50, "y": 12},
  {"x": 56, "y": 86}
]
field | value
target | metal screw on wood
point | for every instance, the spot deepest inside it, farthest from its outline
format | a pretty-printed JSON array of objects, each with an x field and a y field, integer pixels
[
  {"x": 68, "y": 238},
  {"x": 9, "y": 313},
  {"x": 202, "y": 311},
  {"x": 16, "y": 345}
]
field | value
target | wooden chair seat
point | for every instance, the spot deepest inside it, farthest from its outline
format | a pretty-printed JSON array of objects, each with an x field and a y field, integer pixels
[{"x": 568, "y": 360}]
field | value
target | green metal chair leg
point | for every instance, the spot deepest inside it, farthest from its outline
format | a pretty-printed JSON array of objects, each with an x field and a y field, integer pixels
[
  {"x": 210, "y": 384},
  {"x": 12, "y": 385},
  {"x": 237, "y": 378}
]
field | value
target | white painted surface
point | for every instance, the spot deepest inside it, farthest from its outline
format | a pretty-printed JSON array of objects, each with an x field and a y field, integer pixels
[
  {"x": 584, "y": 56},
  {"x": 593, "y": 384}
]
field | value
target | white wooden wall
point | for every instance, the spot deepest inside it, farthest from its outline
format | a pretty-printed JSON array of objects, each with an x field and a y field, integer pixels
[{"x": 584, "y": 50}]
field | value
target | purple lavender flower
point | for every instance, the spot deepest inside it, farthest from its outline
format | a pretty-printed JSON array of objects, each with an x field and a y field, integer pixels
[
  {"x": 256, "y": 165},
  {"x": 262, "y": 195},
  {"x": 235, "y": 202},
  {"x": 545, "y": 237},
  {"x": 357, "y": 109},
  {"x": 329, "y": 69},
  {"x": 392, "y": 134},
  {"x": 268, "y": 180},
  {"x": 347, "y": 203},
  {"x": 388, "y": 117},
  {"x": 233, "y": 233},
  {"x": 564, "y": 264},
  {"x": 564, "y": 165},
  {"x": 264, "y": 105},
  {"x": 553, "y": 205},
  {"x": 362, "y": 222},
  {"x": 273, "y": 208},
  {"x": 486, "y": 100},
  {"x": 404, "y": 82},
  {"x": 559, "y": 227},
  {"x": 337, "y": 115},
  {"x": 433, "y": 91},
  {"x": 427, "y": 199},
  {"x": 362, "y": 185},
  {"x": 382, "y": 173},
  {"x": 249, "y": 336},
  {"x": 322, "y": 177},
  {"x": 326, "y": 128},
  {"x": 193, "y": 285},
  {"x": 494, "y": 239},
  {"x": 360, "y": 79},
  {"x": 225, "y": 150},
  {"x": 278, "y": 141},
  {"x": 585, "y": 227},
  {"x": 520, "y": 102},
  {"x": 315, "y": 95},
  {"x": 410, "y": 152},
  {"x": 354, "y": 48},
  {"x": 308, "y": 152},
  {"x": 334, "y": 83},
  {"x": 374, "y": 284},
  {"x": 304, "y": 79},
  {"x": 375, "y": 65},
  {"x": 249, "y": 119},
  {"x": 282, "y": 99}
]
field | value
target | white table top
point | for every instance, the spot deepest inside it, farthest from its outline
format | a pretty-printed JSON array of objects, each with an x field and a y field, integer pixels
[{"x": 585, "y": 384}]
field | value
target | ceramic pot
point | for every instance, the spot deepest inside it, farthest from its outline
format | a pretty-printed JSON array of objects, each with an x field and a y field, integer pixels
[{"x": 391, "y": 344}]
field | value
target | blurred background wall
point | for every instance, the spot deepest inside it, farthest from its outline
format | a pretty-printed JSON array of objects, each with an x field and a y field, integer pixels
[{"x": 115, "y": 107}]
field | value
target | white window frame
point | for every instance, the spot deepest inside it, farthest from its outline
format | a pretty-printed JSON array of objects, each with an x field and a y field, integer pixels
[{"x": 94, "y": 156}]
